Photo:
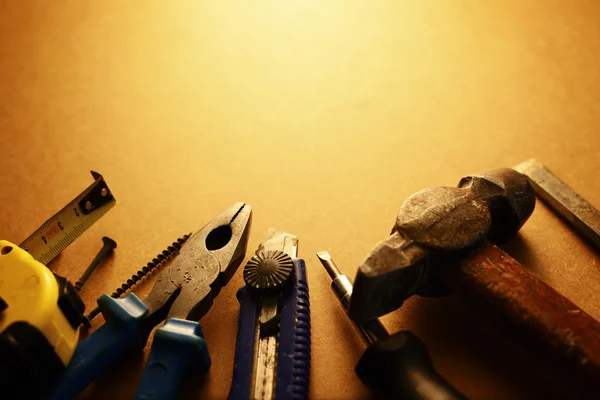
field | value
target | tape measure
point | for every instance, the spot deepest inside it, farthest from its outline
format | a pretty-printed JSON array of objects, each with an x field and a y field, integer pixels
[
  {"x": 40, "y": 311},
  {"x": 69, "y": 223},
  {"x": 39, "y": 324}
]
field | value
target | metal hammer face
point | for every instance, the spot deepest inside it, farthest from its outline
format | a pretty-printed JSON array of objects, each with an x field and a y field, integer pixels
[{"x": 434, "y": 226}]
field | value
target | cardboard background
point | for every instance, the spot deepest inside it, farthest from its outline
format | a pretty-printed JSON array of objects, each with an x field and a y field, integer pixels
[{"x": 324, "y": 117}]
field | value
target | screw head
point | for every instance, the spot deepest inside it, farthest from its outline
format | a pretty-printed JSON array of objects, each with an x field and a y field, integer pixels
[
  {"x": 88, "y": 205},
  {"x": 108, "y": 242}
]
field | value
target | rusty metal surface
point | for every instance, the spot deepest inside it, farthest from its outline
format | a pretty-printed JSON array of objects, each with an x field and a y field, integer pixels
[
  {"x": 492, "y": 205},
  {"x": 393, "y": 271},
  {"x": 546, "y": 323}
]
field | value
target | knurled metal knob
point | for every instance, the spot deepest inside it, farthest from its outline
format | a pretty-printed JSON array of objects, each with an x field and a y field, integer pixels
[{"x": 268, "y": 270}]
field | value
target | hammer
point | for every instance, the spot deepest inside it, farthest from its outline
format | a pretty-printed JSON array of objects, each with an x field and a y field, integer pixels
[{"x": 444, "y": 240}]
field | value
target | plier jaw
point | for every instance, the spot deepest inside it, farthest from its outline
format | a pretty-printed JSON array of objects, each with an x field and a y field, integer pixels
[
  {"x": 227, "y": 240},
  {"x": 204, "y": 265}
]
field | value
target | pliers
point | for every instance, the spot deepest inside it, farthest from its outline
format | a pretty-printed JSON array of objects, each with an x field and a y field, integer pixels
[
  {"x": 182, "y": 294},
  {"x": 272, "y": 359}
]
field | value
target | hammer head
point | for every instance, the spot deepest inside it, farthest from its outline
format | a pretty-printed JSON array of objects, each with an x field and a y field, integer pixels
[
  {"x": 512, "y": 207},
  {"x": 433, "y": 226}
]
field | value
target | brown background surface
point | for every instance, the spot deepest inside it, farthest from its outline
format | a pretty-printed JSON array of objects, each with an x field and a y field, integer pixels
[{"x": 324, "y": 116}]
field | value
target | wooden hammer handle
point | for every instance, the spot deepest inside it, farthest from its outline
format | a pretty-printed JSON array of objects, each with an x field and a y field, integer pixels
[{"x": 540, "y": 317}]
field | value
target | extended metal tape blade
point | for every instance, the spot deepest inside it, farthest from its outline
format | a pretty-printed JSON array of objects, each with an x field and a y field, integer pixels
[{"x": 70, "y": 222}]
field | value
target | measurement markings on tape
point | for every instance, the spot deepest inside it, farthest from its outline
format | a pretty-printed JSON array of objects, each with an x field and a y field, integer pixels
[{"x": 70, "y": 222}]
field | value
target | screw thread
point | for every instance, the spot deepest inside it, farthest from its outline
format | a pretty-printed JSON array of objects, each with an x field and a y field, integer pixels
[{"x": 155, "y": 263}]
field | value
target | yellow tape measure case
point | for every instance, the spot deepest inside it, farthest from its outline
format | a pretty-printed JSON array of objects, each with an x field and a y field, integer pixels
[{"x": 40, "y": 315}]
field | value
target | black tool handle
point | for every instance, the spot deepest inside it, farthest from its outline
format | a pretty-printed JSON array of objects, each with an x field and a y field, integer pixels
[{"x": 399, "y": 367}]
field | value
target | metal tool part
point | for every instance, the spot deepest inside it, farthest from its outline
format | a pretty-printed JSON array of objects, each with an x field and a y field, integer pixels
[
  {"x": 70, "y": 222},
  {"x": 204, "y": 265},
  {"x": 107, "y": 248},
  {"x": 273, "y": 344},
  {"x": 440, "y": 232},
  {"x": 396, "y": 366},
  {"x": 151, "y": 266},
  {"x": 271, "y": 271},
  {"x": 370, "y": 331},
  {"x": 568, "y": 204},
  {"x": 432, "y": 226},
  {"x": 267, "y": 271},
  {"x": 182, "y": 294}
]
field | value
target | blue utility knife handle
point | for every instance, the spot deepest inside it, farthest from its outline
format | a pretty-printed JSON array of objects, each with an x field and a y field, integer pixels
[
  {"x": 293, "y": 361},
  {"x": 244, "y": 348},
  {"x": 179, "y": 345},
  {"x": 104, "y": 347}
]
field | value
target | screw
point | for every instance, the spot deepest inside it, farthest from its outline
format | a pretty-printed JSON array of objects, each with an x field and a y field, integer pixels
[
  {"x": 103, "y": 192},
  {"x": 105, "y": 251},
  {"x": 156, "y": 262},
  {"x": 88, "y": 205}
]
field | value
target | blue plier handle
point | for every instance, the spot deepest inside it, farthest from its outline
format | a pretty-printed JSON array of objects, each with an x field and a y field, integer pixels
[
  {"x": 178, "y": 345},
  {"x": 293, "y": 359},
  {"x": 182, "y": 294},
  {"x": 97, "y": 352}
]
